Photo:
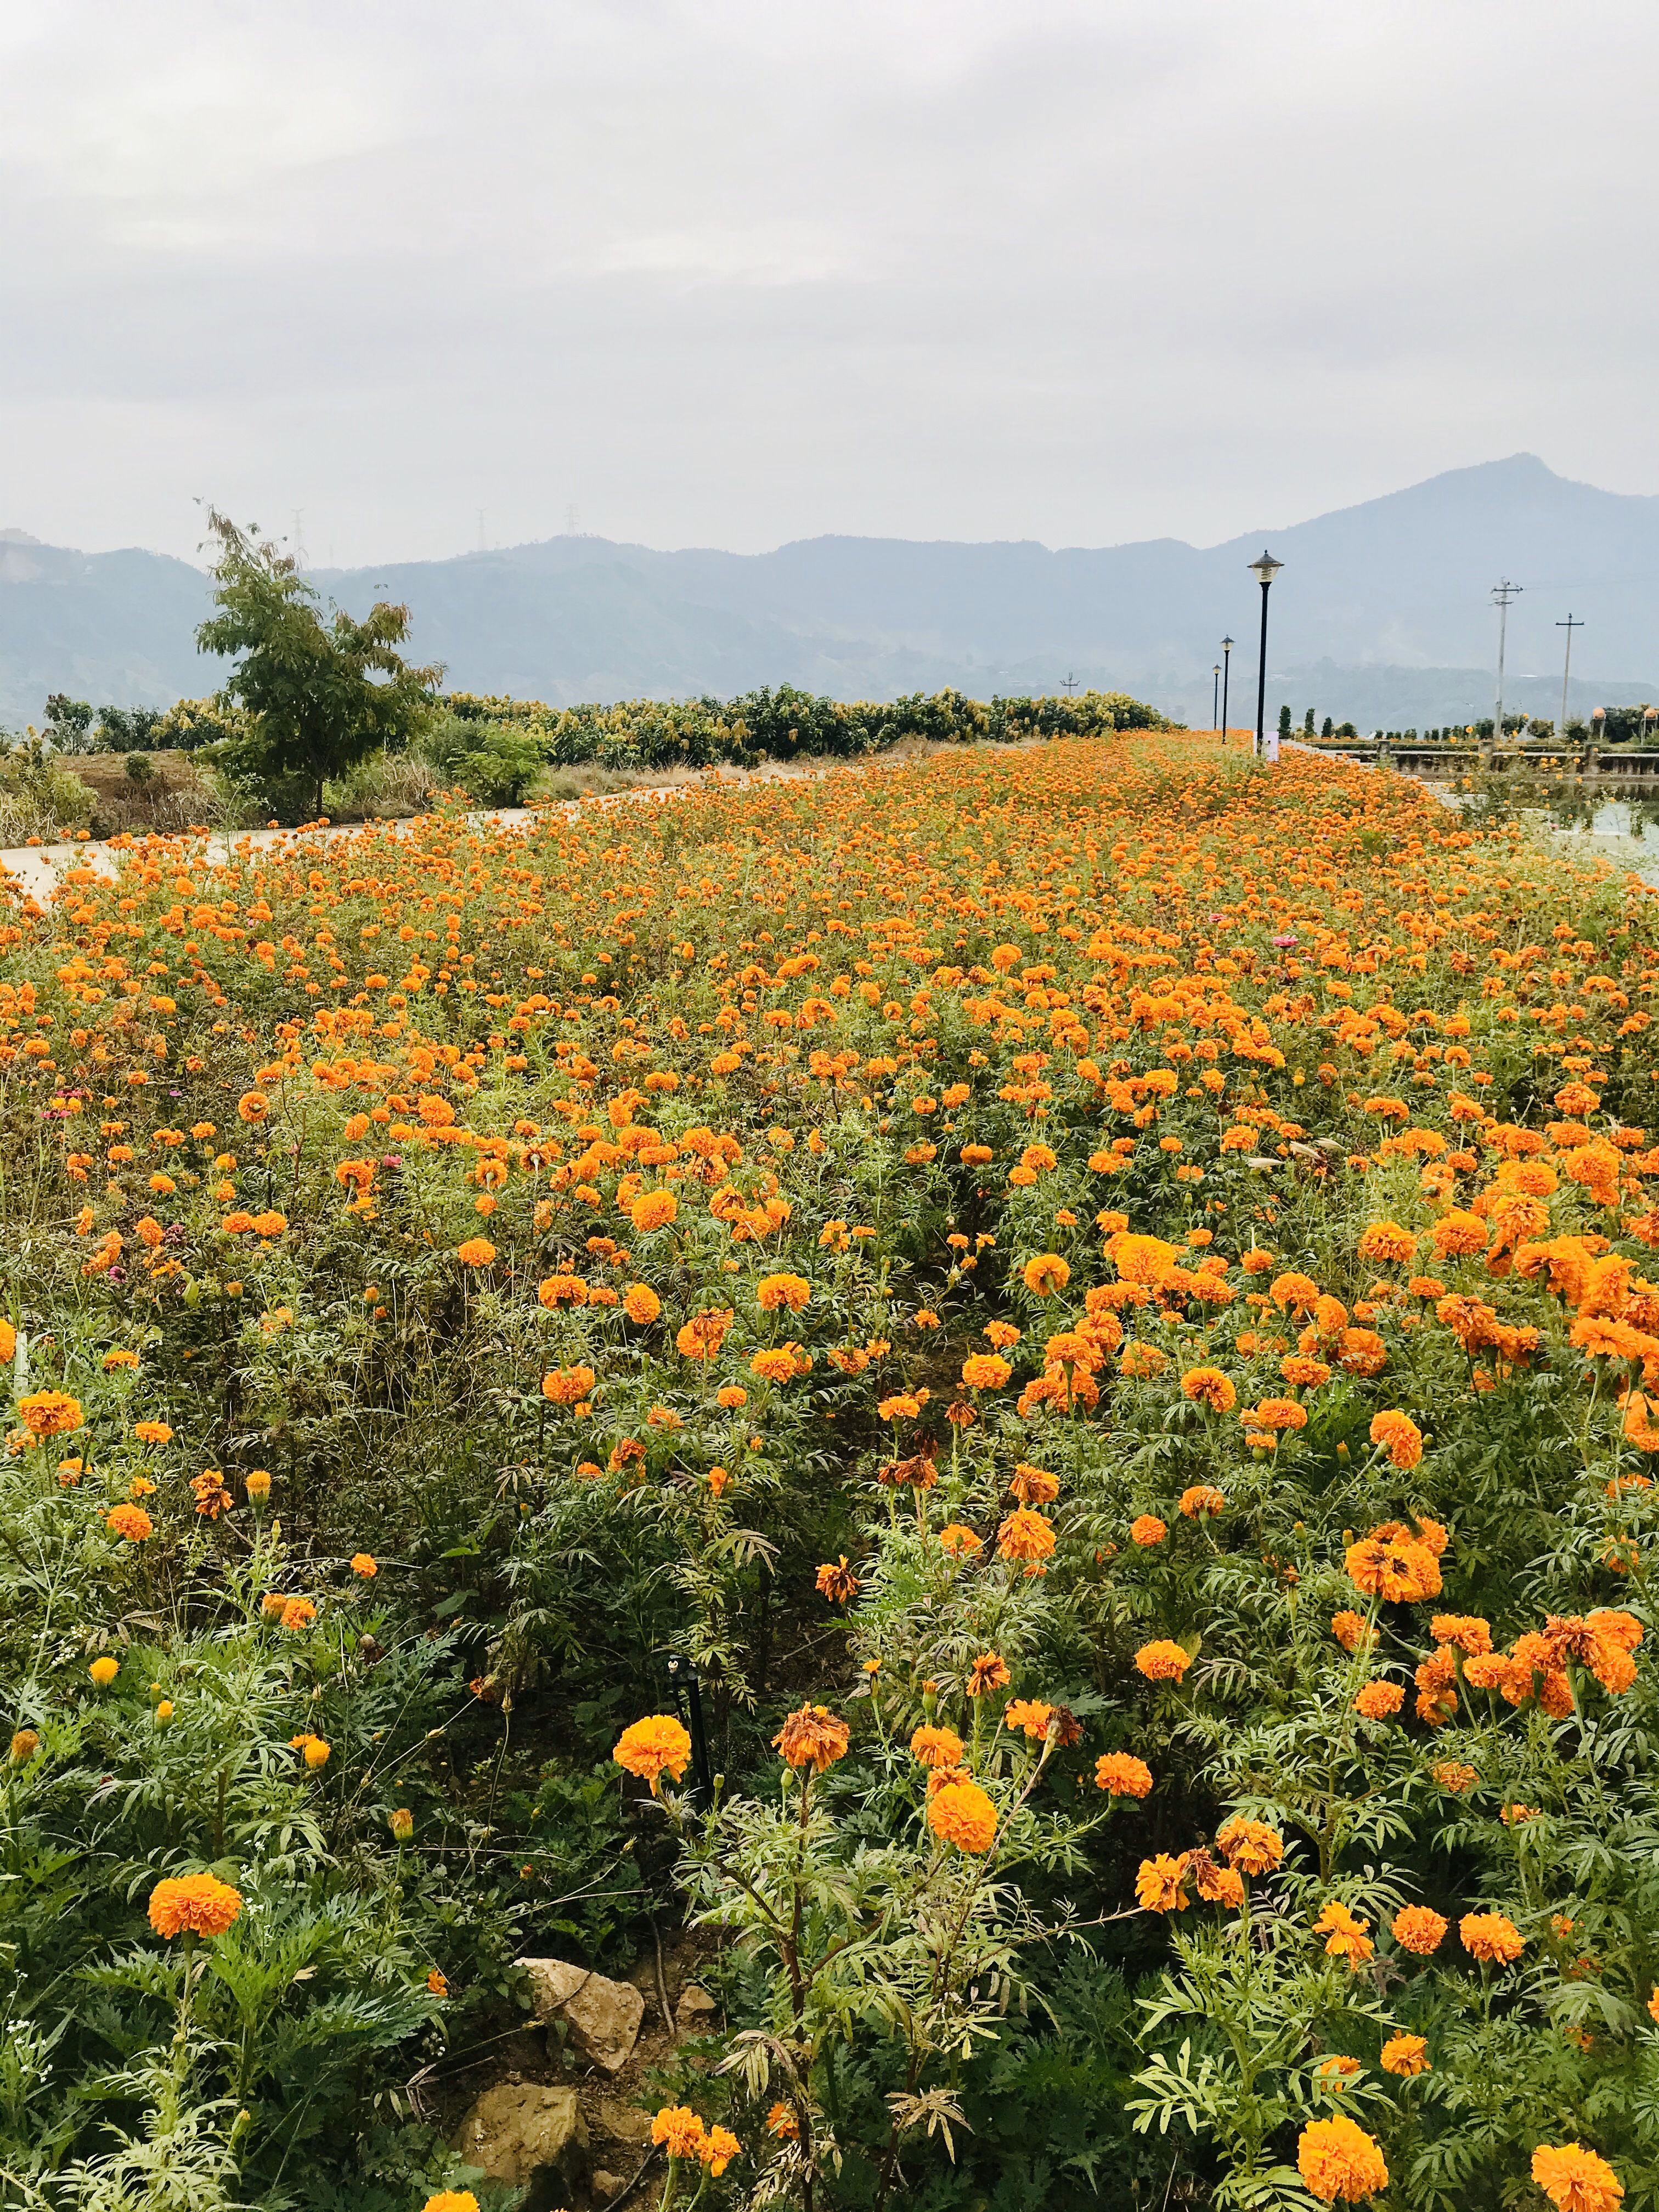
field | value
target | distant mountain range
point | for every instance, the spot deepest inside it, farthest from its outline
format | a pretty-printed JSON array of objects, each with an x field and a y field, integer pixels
[{"x": 1381, "y": 615}]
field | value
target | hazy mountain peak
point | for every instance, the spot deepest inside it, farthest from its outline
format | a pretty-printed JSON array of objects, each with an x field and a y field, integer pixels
[{"x": 1387, "y": 600}]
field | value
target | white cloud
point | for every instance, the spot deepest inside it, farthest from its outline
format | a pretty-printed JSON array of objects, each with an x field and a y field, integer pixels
[{"x": 721, "y": 271}]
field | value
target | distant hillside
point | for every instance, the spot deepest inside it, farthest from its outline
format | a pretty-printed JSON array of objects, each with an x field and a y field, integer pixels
[{"x": 1381, "y": 614}]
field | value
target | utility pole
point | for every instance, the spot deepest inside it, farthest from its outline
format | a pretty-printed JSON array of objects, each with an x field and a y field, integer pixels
[
  {"x": 1226, "y": 671},
  {"x": 1570, "y": 625},
  {"x": 1068, "y": 684},
  {"x": 299, "y": 541},
  {"x": 1503, "y": 592}
]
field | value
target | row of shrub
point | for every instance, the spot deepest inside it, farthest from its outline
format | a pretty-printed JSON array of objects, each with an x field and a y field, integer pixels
[{"x": 784, "y": 723}]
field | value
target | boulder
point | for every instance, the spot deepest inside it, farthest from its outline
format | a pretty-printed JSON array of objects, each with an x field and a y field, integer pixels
[
  {"x": 620, "y": 2123},
  {"x": 603, "y": 2017},
  {"x": 607, "y": 2186},
  {"x": 695, "y": 2013},
  {"x": 528, "y": 2136}
]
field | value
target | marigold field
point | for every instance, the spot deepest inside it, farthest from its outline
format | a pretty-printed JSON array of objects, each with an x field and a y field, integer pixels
[{"x": 1092, "y": 1296}]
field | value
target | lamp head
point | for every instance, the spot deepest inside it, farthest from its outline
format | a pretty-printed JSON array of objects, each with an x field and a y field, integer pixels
[
  {"x": 1266, "y": 568},
  {"x": 1226, "y": 645}
]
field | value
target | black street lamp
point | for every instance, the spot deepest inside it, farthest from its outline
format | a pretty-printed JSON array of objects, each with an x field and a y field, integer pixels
[
  {"x": 1226, "y": 671},
  {"x": 1264, "y": 571},
  {"x": 1215, "y": 697}
]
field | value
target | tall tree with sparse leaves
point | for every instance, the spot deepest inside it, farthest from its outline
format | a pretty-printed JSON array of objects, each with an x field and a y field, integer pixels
[{"x": 324, "y": 691}]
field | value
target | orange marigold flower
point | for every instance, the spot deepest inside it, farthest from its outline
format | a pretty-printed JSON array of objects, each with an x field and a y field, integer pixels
[
  {"x": 1293, "y": 1293},
  {"x": 1338, "y": 2162},
  {"x": 1029, "y": 1714},
  {"x": 449, "y": 2200},
  {"x": 1575, "y": 2179},
  {"x": 678, "y": 2130},
  {"x": 1217, "y": 1885},
  {"x": 960, "y": 1813},
  {"x": 1203, "y": 1500},
  {"x": 1250, "y": 1845},
  {"x": 703, "y": 1334},
  {"x": 837, "y": 1583},
  {"x": 297, "y": 1613},
  {"x": 988, "y": 1672},
  {"x": 1465, "y": 1632},
  {"x": 1025, "y": 1536},
  {"x": 1399, "y": 1435},
  {"x": 1345, "y": 1934},
  {"x": 24, "y": 1745},
  {"x": 1208, "y": 1386},
  {"x": 253, "y": 1106},
  {"x": 1386, "y": 1241},
  {"x": 936, "y": 1746},
  {"x": 650, "y": 1748},
  {"x": 813, "y": 1736},
  {"x": 782, "y": 2122},
  {"x": 1490, "y": 1935},
  {"x": 1392, "y": 1565},
  {"x": 476, "y": 1252},
  {"x": 1033, "y": 1486},
  {"x": 1405, "y": 2055},
  {"x": 958, "y": 1541},
  {"x": 1303, "y": 1372},
  {"x": 364, "y": 1565},
  {"x": 985, "y": 1371},
  {"x": 654, "y": 1209},
  {"x": 1275, "y": 1414},
  {"x": 1122, "y": 1775},
  {"x": 1452, "y": 1774},
  {"x": 776, "y": 1365},
  {"x": 1158, "y": 1884},
  {"x": 130, "y": 1521},
  {"x": 1045, "y": 1274},
  {"x": 152, "y": 1432},
  {"x": 49, "y": 1413},
  {"x": 774, "y": 1290},
  {"x": 1162, "y": 1661},
  {"x": 718, "y": 2148},
  {"x": 641, "y": 1305},
  {"x": 1146, "y": 1529},
  {"x": 1351, "y": 1630},
  {"x": 193, "y": 1903},
  {"x": 1379, "y": 1701},
  {"x": 567, "y": 1386}
]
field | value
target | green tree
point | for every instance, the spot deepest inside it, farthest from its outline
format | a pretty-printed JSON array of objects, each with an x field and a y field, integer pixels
[
  {"x": 1308, "y": 723},
  {"x": 1283, "y": 721},
  {"x": 322, "y": 693}
]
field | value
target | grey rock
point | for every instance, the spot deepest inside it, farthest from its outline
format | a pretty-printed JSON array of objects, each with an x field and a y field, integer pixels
[
  {"x": 528, "y": 2135},
  {"x": 603, "y": 2017}
]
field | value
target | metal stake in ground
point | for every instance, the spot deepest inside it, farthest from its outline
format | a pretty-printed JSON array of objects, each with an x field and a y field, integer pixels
[
  {"x": 1502, "y": 594},
  {"x": 1570, "y": 625},
  {"x": 1264, "y": 571},
  {"x": 688, "y": 1695}
]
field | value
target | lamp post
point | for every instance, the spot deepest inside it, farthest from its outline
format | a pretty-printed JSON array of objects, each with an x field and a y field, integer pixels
[
  {"x": 1215, "y": 697},
  {"x": 1264, "y": 571},
  {"x": 1226, "y": 671}
]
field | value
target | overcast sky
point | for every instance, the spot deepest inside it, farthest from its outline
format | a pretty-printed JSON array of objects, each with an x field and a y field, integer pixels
[{"x": 724, "y": 273}]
